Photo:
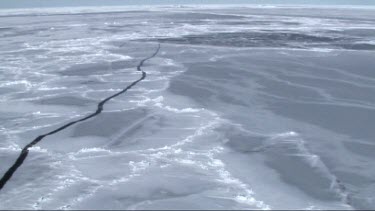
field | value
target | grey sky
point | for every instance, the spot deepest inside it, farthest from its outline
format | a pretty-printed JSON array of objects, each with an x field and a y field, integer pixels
[{"x": 59, "y": 3}]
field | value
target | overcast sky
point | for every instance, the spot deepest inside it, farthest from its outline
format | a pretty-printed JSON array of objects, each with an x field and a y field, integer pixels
[{"x": 59, "y": 3}]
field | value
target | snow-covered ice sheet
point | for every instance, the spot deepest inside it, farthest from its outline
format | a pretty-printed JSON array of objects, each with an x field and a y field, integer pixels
[{"x": 242, "y": 108}]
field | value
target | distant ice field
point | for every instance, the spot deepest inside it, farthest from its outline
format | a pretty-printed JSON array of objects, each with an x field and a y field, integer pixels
[{"x": 251, "y": 107}]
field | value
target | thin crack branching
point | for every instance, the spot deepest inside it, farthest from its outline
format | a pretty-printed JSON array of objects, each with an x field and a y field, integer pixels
[{"x": 25, "y": 151}]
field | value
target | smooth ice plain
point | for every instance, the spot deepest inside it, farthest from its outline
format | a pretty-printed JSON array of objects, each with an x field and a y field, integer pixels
[{"x": 243, "y": 107}]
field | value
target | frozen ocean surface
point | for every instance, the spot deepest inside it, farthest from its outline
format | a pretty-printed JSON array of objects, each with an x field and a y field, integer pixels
[{"x": 251, "y": 107}]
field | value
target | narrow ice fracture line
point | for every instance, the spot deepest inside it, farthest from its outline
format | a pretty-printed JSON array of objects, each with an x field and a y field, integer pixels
[{"x": 25, "y": 150}]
